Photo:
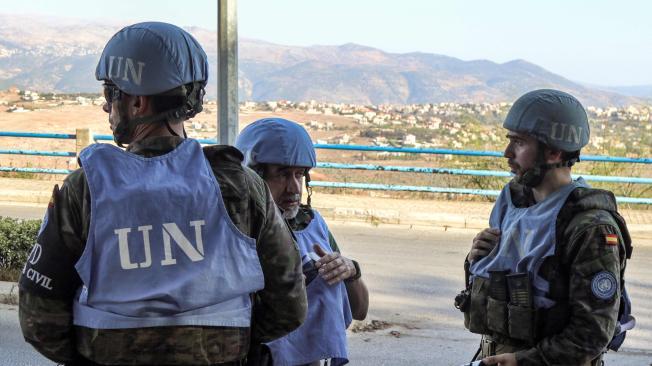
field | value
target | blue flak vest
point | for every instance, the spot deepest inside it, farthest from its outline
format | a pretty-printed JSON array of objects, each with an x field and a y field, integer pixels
[
  {"x": 527, "y": 238},
  {"x": 161, "y": 249},
  {"x": 323, "y": 334}
]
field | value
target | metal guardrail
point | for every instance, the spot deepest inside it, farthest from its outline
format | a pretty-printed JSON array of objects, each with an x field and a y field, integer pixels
[
  {"x": 483, "y": 192},
  {"x": 35, "y": 170},
  {"x": 389, "y": 187},
  {"x": 610, "y": 159},
  {"x": 481, "y": 173},
  {"x": 34, "y": 152},
  {"x": 366, "y": 186},
  {"x": 38, "y": 135}
]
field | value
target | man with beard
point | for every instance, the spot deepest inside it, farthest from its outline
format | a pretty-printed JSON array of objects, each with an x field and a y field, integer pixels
[
  {"x": 153, "y": 255},
  {"x": 282, "y": 153},
  {"x": 545, "y": 283}
]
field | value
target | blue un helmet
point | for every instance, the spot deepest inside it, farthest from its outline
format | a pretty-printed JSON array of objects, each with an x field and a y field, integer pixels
[
  {"x": 277, "y": 141},
  {"x": 557, "y": 120},
  {"x": 154, "y": 58}
]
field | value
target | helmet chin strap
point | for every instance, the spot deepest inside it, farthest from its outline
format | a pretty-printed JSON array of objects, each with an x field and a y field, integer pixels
[
  {"x": 534, "y": 176},
  {"x": 308, "y": 188},
  {"x": 194, "y": 95},
  {"x": 123, "y": 129}
]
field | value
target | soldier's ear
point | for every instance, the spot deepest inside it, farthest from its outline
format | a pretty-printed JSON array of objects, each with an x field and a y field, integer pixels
[
  {"x": 553, "y": 156},
  {"x": 140, "y": 105}
]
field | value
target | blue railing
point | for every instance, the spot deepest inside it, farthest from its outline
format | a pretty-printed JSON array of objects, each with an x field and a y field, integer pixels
[
  {"x": 414, "y": 150},
  {"x": 481, "y": 173},
  {"x": 610, "y": 159},
  {"x": 365, "y": 186},
  {"x": 38, "y": 135}
]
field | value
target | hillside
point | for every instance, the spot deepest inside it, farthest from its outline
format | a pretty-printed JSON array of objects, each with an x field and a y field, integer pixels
[{"x": 53, "y": 54}]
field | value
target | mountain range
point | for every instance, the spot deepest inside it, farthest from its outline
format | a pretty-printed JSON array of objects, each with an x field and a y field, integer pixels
[{"x": 60, "y": 55}]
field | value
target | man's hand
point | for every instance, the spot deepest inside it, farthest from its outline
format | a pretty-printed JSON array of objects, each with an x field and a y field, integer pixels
[
  {"x": 333, "y": 267},
  {"x": 483, "y": 243},
  {"x": 506, "y": 359}
]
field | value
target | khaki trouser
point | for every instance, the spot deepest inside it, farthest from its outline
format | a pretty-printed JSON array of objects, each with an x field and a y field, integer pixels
[{"x": 489, "y": 347}]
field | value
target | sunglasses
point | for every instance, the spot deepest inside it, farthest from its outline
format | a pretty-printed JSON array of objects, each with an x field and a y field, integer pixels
[{"x": 111, "y": 93}]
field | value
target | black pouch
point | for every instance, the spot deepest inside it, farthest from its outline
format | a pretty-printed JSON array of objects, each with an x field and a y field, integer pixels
[
  {"x": 521, "y": 318},
  {"x": 497, "y": 302},
  {"x": 477, "y": 314},
  {"x": 498, "y": 285}
]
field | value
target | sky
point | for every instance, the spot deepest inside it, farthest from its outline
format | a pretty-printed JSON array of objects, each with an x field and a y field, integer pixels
[{"x": 602, "y": 42}]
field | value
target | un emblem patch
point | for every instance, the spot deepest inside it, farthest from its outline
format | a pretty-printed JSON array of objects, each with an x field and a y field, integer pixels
[{"x": 604, "y": 285}]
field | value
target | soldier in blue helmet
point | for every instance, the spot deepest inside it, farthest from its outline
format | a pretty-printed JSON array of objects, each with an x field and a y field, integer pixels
[
  {"x": 165, "y": 253},
  {"x": 282, "y": 153},
  {"x": 545, "y": 282}
]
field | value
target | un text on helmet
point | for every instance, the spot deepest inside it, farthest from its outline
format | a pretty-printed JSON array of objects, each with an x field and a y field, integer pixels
[
  {"x": 127, "y": 67},
  {"x": 565, "y": 132}
]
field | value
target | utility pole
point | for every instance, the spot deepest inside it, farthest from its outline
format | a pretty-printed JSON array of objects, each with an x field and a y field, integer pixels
[{"x": 227, "y": 74}]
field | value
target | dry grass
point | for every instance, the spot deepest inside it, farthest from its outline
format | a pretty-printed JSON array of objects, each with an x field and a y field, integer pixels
[{"x": 67, "y": 118}]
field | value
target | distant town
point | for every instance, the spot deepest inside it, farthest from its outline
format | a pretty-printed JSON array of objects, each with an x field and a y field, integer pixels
[
  {"x": 624, "y": 131},
  {"x": 462, "y": 126}
]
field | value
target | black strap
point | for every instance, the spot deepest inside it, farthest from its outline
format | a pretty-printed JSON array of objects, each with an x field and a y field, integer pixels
[
  {"x": 475, "y": 356},
  {"x": 193, "y": 99}
]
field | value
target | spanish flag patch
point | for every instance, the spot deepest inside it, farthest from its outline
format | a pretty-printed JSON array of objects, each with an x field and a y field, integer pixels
[{"x": 611, "y": 239}]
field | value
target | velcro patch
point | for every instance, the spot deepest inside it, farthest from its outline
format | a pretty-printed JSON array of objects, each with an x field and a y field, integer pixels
[
  {"x": 611, "y": 239},
  {"x": 604, "y": 285}
]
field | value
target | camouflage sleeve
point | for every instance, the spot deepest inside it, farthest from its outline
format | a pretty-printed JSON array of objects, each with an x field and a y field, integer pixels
[
  {"x": 282, "y": 305},
  {"x": 49, "y": 280},
  {"x": 47, "y": 325},
  {"x": 594, "y": 260}
]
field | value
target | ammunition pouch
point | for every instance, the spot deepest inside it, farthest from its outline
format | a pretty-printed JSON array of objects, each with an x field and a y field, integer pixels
[
  {"x": 497, "y": 316},
  {"x": 511, "y": 319},
  {"x": 497, "y": 310}
]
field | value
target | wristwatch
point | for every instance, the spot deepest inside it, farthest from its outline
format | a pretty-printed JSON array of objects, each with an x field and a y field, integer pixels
[{"x": 357, "y": 275}]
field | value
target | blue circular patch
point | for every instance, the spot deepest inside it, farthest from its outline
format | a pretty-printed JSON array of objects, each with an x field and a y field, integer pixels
[{"x": 604, "y": 285}]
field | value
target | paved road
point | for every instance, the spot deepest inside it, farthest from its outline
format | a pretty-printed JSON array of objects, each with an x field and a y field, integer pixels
[
  {"x": 22, "y": 211},
  {"x": 13, "y": 350},
  {"x": 413, "y": 275}
]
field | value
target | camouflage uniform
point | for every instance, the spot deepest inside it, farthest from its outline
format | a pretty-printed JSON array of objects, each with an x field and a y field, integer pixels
[
  {"x": 46, "y": 314},
  {"x": 582, "y": 326}
]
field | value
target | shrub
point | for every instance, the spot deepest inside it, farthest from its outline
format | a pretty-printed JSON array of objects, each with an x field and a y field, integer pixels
[{"x": 16, "y": 240}]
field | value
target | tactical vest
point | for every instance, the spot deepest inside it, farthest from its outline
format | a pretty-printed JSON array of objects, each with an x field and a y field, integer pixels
[
  {"x": 527, "y": 239},
  {"x": 161, "y": 249},
  {"x": 506, "y": 288},
  {"x": 323, "y": 334},
  {"x": 521, "y": 321}
]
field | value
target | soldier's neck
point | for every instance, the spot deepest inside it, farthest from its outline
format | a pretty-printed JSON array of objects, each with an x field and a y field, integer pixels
[{"x": 554, "y": 180}]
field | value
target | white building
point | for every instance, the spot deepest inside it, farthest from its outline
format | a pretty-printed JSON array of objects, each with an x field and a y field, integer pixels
[{"x": 409, "y": 139}]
